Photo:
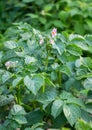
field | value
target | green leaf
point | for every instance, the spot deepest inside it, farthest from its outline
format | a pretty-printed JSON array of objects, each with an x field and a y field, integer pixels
[
  {"x": 74, "y": 50},
  {"x": 65, "y": 69},
  {"x": 58, "y": 23},
  {"x": 34, "y": 117},
  {"x": 10, "y": 44},
  {"x": 59, "y": 121},
  {"x": 82, "y": 125},
  {"x": 4, "y": 100},
  {"x": 34, "y": 83},
  {"x": 75, "y": 101},
  {"x": 88, "y": 39},
  {"x": 21, "y": 54},
  {"x": 88, "y": 83},
  {"x": 20, "y": 119},
  {"x": 17, "y": 110},
  {"x": 29, "y": 59},
  {"x": 48, "y": 96},
  {"x": 57, "y": 107},
  {"x": 65, "y": 95},
  {"x": 72, "y": 113},
  {"x": 6, "y": 76},
  {"x": 16, "y": 81},
  {"x": 78, "y": 62},
  {"x": 59, "y": 46}
]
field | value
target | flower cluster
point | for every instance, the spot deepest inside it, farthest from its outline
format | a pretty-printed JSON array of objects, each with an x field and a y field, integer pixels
[
  {"x": 54, "y": 32},
  {"x": 10, "y": 64},
  {"x": 52, "y": 40}
]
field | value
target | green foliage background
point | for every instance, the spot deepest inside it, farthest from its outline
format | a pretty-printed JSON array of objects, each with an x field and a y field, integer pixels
[
  {"x": 73, "y": 16},
  {"x": 45, "y": 86}
]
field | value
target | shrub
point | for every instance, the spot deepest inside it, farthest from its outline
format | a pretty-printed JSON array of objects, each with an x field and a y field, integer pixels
[{"x": 45, "y": 79}]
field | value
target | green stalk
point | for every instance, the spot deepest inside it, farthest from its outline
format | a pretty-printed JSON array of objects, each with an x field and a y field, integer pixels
[
  {"x": 60, "y": 79},
  {"x": 18, "y": 96},
  {"x": 46, "y": 63}
]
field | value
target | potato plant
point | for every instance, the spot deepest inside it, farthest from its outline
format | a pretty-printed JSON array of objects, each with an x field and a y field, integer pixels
[{"x": 45, "y": 80}]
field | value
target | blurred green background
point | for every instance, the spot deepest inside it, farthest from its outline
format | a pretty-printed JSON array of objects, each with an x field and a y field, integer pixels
[{"x": 72, "y": 16}]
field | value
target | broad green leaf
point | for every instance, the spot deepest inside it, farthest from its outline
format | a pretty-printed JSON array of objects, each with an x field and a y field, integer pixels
[
  {"x": 88, "y": 39},
  {"x": 20, "y": 119},
  {"x": 78, "y": 62},
  {"x": 6, "y": 76},
  {"x": 34, "y": 117},
  {"x": 16, "y": 81},
  {"x": 83, "y": 73},
  {"x": 59, "y": 46},
  {"x": 58, "y": 23},
  {"x": 69, "y": 83},
  {"x": 26, "y": 36},
  {"x": 65, "y": 95},
  {"x": 59, "y": 121},
  {"x": 87, "y": 62},
  {"x": 29, "y": 59},
  {"x": 79, "y": 28},
  {"x": 57, "y": 107},
  {"x": 34, "y": 83},
  {"x": 10, "y": 44},
  {"x": 48, "y": 7},
  {"x": 65, "y": 69},
  {"x": 17, "y": 110},
  {"x": 88, "y": 83},
  {"x": 21, "y": 54},
  {"x": 48, "y": 96},
  {"x": 75, "y": 101},
  {"x": 4, "y": 100},
  {"x": 72, "y": 113},
  {"x": 76, "y": 37},
  {"x": 74, "y": 50},
  {"x": 34, "y": 16}
]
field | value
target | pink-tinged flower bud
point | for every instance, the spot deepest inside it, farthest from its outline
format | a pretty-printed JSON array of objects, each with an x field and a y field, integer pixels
[
  {"x": 52, "y": 41},
  {"x": 41, "y": 41},
  {"x": 54, "y": 32}
]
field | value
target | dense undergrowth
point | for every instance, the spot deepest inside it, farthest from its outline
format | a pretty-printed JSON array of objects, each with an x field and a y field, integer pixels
[
  {"x": 45, "y": 64},
  {"x": 45, "y": 80},
  {"x": 73, "y": 16}
]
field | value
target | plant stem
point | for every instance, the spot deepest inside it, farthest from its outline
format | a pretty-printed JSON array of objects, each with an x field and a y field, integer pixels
[
  {"x": 46, "y": 63},
  {"x": 60, "y": 79}
]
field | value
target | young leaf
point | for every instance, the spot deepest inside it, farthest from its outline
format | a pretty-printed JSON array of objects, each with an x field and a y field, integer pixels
[
  {"x": 17, "y": 110},
  {"x": 74, "y": 50},
  {"x": 57, "y": 107},
  {"x": 20, "y": 119},
  {"x": 10, "y": 44},
  {"x": 29, "y": 59},
  {"x": 88, "y": 83},
  {"x": 72, "y": 113},
  {"x": 16, "y": 81},
  {"x": 34, "y": 83}
]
